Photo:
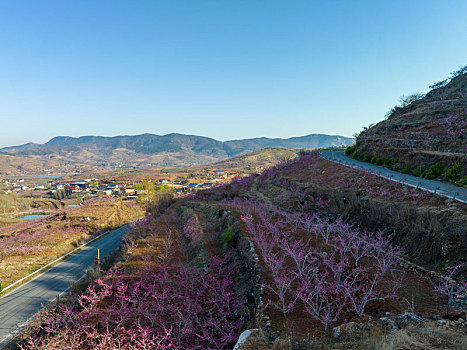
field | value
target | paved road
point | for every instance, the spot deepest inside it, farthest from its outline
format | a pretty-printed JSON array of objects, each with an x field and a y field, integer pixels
[
  {"x": 437, "y": 187},
  {"x": 18, "y": 305}
]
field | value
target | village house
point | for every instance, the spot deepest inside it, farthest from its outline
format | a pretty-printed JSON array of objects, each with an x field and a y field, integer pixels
[{"x": 130, "y": 190}]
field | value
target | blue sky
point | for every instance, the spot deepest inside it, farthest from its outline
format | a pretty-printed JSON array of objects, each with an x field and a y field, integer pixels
[{"x": 223, "y": 69}]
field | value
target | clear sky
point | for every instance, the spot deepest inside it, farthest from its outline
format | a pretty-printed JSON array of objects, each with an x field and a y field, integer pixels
[{"x": 224, "y": 69}]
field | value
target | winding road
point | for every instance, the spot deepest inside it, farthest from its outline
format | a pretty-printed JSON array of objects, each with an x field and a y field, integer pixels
[
  {"x": 437, "y": 187},
  {"x": 21, "y": 303}
]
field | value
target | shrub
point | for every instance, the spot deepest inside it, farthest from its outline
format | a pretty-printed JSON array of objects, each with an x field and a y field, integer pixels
[
  {"x": 404, "y": 101},
  {"x": 367, "y": 157},
  {"x": 388, "y": 162},
  {"x": 445, "y": 285},
  {"x": 395, "y": 167},
  {"x": 354, "y": 155},
  {"x": 453, "y": 173},
  {"x": 357, "y": 154},
  {"x": 379, "y": 161},
  {"x": 458, "y": 72},
  {"x": 391, "y": 111},
  {"x": 462, "y": 182},
  {"x": 419, "y": 171},
  {"x": 349, "y": 150},
  {"x": 439, "y": 84},
  {"x": 228, "y": 236},
  {"x": 373, "y": 160},
  {"x": 407, "y": 169},
  {"x": 434, "y": 171}
]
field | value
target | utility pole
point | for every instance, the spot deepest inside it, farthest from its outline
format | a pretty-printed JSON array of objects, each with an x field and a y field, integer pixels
[{"x": 97, "y": 259}]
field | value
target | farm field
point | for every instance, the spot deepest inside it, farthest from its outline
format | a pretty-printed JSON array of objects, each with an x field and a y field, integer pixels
[
  {"x": 281, "y": 253},
  {"x": 30, "y": 244},
  {"x": 13, "y": 206}
]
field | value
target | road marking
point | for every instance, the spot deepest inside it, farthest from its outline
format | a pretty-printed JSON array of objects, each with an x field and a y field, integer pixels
[
  {"x": 55, "y": 291},
  {"x": 51, "y": 263}
]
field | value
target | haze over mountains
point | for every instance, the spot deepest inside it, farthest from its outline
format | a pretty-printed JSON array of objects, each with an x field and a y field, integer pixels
[{"x": 167, "y": 150}]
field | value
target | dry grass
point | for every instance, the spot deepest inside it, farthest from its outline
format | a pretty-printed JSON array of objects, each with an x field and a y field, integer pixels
[{"x": 428, "y": 336}]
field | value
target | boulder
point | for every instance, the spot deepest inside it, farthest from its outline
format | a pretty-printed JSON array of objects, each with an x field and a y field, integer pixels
[{"x": 243, "y": 337}]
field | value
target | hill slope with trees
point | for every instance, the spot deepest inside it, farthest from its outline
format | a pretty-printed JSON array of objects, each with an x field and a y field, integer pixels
[
  {"x": 425, "y": 135},
  {"x": 308, "y": 254}
]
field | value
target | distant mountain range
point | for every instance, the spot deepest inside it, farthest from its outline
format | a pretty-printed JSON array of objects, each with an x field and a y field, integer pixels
[{"x": 166, "y": 150}]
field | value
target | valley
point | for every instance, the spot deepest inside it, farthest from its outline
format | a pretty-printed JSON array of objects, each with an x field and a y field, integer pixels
[{"x": 233, "y": 175}]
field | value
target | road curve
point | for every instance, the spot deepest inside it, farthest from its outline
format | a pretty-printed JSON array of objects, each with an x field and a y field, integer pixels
[
  {"x": 18, "y": 305},
  {"x": 436, "y": 187}
]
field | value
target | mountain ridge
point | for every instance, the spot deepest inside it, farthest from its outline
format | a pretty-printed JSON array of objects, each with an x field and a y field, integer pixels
[
  {"x": 150, "y": 144},
  {"x": 174, "y": 149}
]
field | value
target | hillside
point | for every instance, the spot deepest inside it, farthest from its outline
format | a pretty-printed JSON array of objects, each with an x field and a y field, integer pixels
[
  {"x": 309, "y": 254},
  {"x": 167, "y": 150},
  {"x": 22, "y": 165},
  {"x": 265, "y": 158},
  {"x": 309, "y": 141},
  {"x": 430, "y": 130}
]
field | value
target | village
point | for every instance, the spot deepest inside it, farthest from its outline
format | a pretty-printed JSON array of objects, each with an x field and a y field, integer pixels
[{"x": 180, "y": 182}]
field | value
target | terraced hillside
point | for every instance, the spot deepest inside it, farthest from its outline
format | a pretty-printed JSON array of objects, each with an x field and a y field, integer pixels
[
  {"x": 430, "y": 130},
  {"x": 309, "y": 254}
]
